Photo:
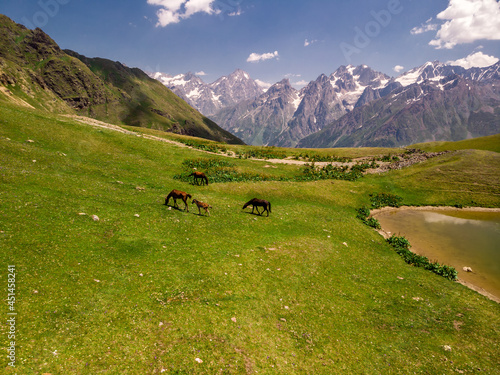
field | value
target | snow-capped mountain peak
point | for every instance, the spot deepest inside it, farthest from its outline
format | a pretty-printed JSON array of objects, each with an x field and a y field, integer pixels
[{"x": 209, "y": 98}]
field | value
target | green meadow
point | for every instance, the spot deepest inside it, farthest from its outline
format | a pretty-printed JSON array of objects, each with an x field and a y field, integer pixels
[{"x": 150, "y": 289}]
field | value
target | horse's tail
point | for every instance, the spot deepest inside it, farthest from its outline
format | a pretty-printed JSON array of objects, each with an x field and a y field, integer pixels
[{"x": 269, "y": 206}]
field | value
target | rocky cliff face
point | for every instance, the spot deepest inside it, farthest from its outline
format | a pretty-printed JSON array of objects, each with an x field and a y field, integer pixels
[
  {"x": 307, "y": 111},
  {"x": 209, "y": 98},
  {"x": 270, "y": 111},
  {"x": 450, "y": 109}
]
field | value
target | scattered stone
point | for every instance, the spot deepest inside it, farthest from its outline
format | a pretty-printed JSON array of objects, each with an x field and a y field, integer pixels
[
  {"x": 136, "y": 215},
  {"x": 161, "y": 323},
  {"x": 283, "y": 319},
  {"x": 467, "y": 269},
  {"x": 82, "y": 213},
  {"x": 95, "y": 217},
  {"x": 233, "y": 319},
  {"x": 447, "y": 348},
  {"x": 140, "y": 188},
  {"x": 30, "y": 141},
  {"x": 345, "y": 244},
  {"x": 198, "y": 360},
  {"x": 97, "y": 281},
  {"x": 119, "y": 182}
]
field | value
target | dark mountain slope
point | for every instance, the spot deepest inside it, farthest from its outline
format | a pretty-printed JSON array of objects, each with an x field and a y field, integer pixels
[{"x": 35, "y": 71}]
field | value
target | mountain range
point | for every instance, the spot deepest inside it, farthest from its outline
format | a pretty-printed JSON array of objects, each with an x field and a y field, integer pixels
[
  {"x": 349, "y": 99},
  {"x": 212, "y": 97},
  {"x": 37, "y": 73}
]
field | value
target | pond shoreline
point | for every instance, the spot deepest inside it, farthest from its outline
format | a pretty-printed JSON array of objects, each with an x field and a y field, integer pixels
[{"x": 386, "y": 234}]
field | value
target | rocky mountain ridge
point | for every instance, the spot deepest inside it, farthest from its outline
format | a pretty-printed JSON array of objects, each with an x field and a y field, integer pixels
[
  {"x": 300, "y": 112},
  {"x": 35, "y": 72},
  {"x": 209, "y": 98},
  {"x": 452, "y": 108}
]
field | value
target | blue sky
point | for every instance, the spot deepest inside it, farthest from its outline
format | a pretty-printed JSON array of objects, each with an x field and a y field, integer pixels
[{"x": 270, "y": 39}]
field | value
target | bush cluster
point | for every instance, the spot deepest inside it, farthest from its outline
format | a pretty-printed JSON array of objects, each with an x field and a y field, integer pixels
[
  {"x": 311, "y": 157},
  {"x": 402, "y": 246},
  {"x": 205, "y": 146},
  {"x": 263, "y": 153},
  {"x": 331, "y": 172},
  {"x": 219, "y": 171},
  {"x": 363, "y": 214},
  {"x": 385, "y": 199}
]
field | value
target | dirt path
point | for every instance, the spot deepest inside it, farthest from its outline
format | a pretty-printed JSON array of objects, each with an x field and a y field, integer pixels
[{"x": 383, "y": 166}]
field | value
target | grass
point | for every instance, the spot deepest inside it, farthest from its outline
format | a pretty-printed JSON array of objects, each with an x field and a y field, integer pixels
[{"x": 309, "y": 289}]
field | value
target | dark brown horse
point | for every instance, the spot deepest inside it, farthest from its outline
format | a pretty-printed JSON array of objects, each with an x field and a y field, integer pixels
[
  {"x": 199, "y": 176},
  {"x": 256, "y": 203},
  {"x": 177, "y": 194}
]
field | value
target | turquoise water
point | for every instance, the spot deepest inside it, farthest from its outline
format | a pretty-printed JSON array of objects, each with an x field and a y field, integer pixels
[{"x": 458, "y": 238}]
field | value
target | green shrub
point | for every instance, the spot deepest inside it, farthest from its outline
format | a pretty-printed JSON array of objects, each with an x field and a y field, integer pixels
[
  {"x": 363, "y": 213},
  {"x": 385, "y": 199},
  {"x": 402, "y": 246},
  {"x": 372, "y": 222},
  {"x": 219, "y": 171}
]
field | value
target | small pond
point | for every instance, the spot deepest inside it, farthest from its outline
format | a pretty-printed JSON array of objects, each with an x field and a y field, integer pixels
[{"x": 458, "y": 238}]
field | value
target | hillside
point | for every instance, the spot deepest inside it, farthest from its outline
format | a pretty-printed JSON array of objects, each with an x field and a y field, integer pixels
[
  {"x": 146, "y": 288},
  {"x": 35, "y": 71}
]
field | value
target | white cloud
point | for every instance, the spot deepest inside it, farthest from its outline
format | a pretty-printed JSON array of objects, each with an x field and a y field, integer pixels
[
  {"x": 199, "y": 6},
  {"x": 468, "y": 21},
  {"x": 255, "y": 57},
  {"x": 264, "y": 85},
  {"x": 173, "y": 11},
  {"x": 478, "y": 59},
  {"x": 202, "y": 73},
  {"x": 427, "y": 26},
  {"x": 309, "y": 42},
  {"x": 398, "y": 68},
  {"x": 301, "y": 83}
]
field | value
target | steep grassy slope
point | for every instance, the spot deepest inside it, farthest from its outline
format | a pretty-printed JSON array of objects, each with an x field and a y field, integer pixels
[
  {"x": 146, "y": 289},
  {"x": 35, "y": 70}
]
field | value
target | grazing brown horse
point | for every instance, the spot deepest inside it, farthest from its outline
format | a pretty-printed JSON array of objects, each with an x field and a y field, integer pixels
[
  {"x": 177, "y": 194},
  {"x": 203, "y": 205},
  {"x": 256, "y": 203},
  {"x": 199, "y": 176}
]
